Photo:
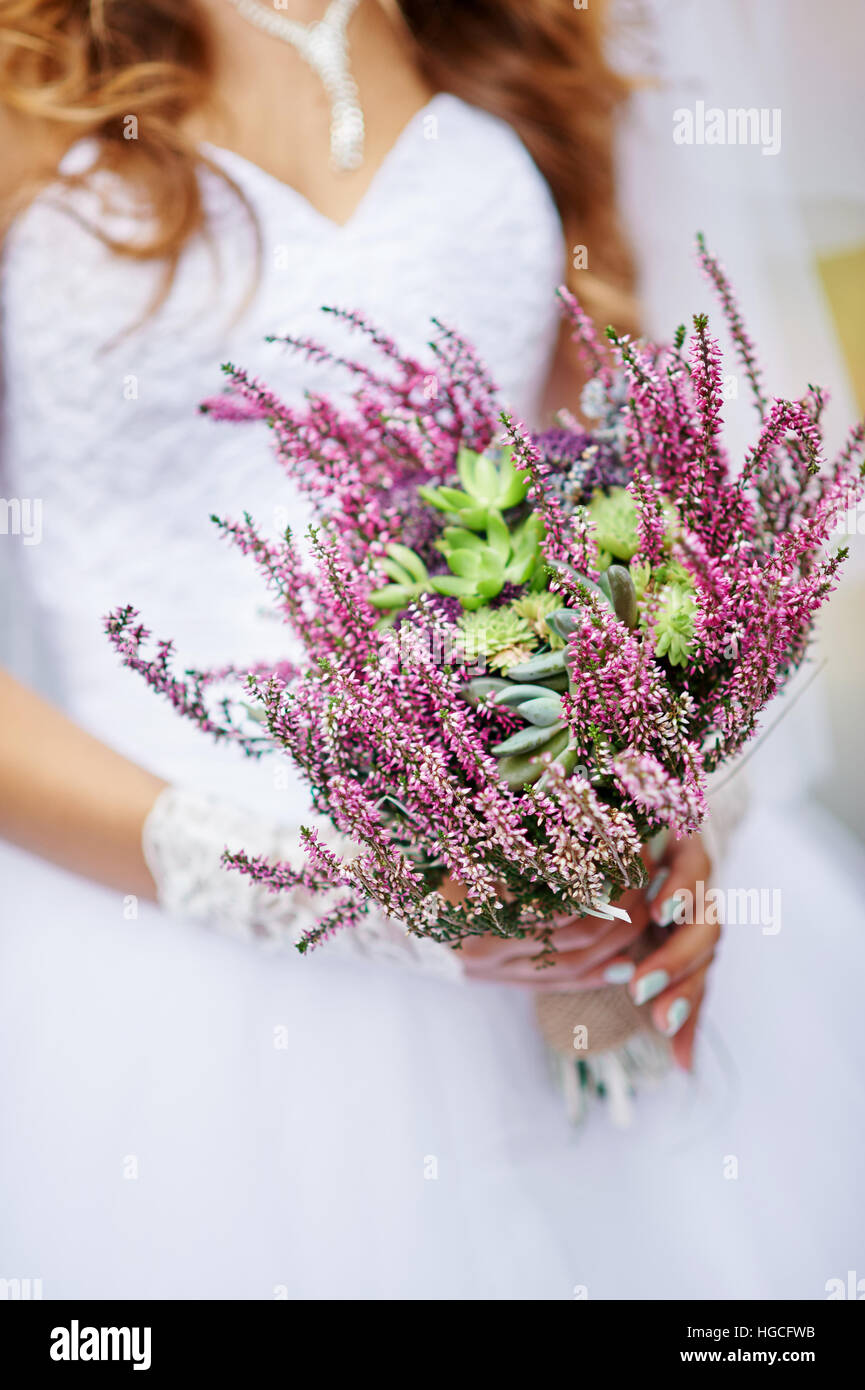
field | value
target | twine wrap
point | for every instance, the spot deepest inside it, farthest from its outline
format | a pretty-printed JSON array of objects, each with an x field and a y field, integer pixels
[{"x": 609, "y": 1016}]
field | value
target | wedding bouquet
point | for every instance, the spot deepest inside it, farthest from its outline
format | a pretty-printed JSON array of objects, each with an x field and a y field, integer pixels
[{"x": 523, "y": 653}]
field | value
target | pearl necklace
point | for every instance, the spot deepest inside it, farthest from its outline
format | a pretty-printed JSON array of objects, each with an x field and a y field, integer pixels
[{"x": 324, "y": 46}]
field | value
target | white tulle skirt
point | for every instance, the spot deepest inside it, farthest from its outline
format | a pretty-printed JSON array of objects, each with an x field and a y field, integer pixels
[{"x": 186, "y": 1117}]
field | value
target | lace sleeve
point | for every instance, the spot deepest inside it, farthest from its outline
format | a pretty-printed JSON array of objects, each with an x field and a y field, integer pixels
[{"x": 183, "y": 840}]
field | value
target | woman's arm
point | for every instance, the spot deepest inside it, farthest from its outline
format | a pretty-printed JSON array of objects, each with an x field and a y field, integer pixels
[
  {"x": 566, "y": 378},
  {"x": 68, "y": 797}
]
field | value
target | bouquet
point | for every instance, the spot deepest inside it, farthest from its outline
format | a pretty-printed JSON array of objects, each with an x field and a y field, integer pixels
[{"x": 523, "y": 653}]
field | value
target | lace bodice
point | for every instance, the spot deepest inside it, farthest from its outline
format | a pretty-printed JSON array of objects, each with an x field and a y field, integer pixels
[{"x": 100, "y": 417}]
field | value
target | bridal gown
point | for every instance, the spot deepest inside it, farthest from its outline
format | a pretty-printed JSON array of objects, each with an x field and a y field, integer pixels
[{"x": 186, "y": 1116}]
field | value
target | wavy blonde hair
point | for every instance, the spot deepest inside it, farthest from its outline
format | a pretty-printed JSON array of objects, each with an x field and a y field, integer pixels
[{"x": 77, "y": 67}]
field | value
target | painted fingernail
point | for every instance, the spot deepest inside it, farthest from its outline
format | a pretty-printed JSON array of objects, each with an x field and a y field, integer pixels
[
  {"x": 676, "y": 1016},
  {"x": 666, "y": 913},
  {"x": 657, "y": 884},
  {"x": 620, "y": 972},
  {"x": 650, "y": 985}
]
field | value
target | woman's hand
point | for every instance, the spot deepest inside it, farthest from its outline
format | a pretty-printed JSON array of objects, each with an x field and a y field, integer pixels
[
  {"x": 673, "y": 975},
  {"x": 581, "y": 944},
  {"x": 592, "y": 952}
]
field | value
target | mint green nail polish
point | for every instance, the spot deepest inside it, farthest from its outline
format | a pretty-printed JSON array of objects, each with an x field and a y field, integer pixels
[
  {"x": 657, "y": 884},
  {"x": 650, "y": 985},
  {"x": 666, "y": 914},
  {"x": 619, "y": 973},
  {"x": 676, "y": 1016}
]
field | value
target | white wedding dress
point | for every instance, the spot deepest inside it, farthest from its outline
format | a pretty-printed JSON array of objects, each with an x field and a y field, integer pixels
[{"x": 185, "y": 1116}]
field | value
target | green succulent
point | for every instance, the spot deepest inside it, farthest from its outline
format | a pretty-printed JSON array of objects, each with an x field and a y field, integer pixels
[
  {"x": 672, "y": 572},
  {"x": 487, "y": 483},
  {"x": 521, "y": 756},
  {"x": 674, "y": 611},
  {"x": 408, "y": 574},
  {"x": 640, "y": 576},
  {"x": 674, "y": 623},
  {"x": 482, "y": 556},
  {"x": 536, "y": 608},
  {"x": 614, "y": 516},
  {"x": 499, "y": 635},
  {"x": 615, "y": 587},
  {"x": 533, "y": 691},
  {"x": 481, "y": 565}
]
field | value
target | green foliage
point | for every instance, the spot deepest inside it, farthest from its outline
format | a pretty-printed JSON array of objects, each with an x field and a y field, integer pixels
[
  {"x": 487, "y": 484},
  {"x": 674, "y": 623},
  {"x": 483, "y": 551},
  {"x": 540, "y": 668},
  {"x": 524, "y": 756},
  {"x": 640, "y": 576},
  {"x": 408, "y": 574},
  {"x": 614, "y": 517},
  {"x": 671, "y": 572},
  {"x": 520, "y": 770},
  {"x": 617, "y": 584},
  {"x": 536, "y": 608},
  {"x": 481, "y": 564}
]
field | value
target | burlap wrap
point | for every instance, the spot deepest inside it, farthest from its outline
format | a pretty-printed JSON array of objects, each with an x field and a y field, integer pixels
[{"x": 609, "y": 1016}]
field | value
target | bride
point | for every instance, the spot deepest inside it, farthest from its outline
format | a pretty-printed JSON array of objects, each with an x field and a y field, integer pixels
[{"x": 194, "y": 1112}]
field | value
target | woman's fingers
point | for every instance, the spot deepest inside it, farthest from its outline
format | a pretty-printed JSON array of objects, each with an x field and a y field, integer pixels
[
  {"x": 603, "y": 936},
  {"x": 590, "y": 952},
  {"x": 672, "y": 1008},
  {"x": 569, "y": 933},
  {"x": 567, "y": 972},
  {"x": 686, "y": 949},
  {"x": 568, "y": 969},
  {"x": 686, "y": 863},
  {"x": 595, "y": 935},
  {"x": 673, "y": 977},
  {"x": 683, "y": 1041},
  {"x": 690, "y": 944},
  {"x": 675, "y": 1013}
]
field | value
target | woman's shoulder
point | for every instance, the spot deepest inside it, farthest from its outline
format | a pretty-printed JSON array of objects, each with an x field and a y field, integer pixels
[
  {"x": 483, "y": 148},
  {"x": 59, "y": 269},
  {"x": 487, "y": 187},
  {"x": 74, "y": 201}
]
